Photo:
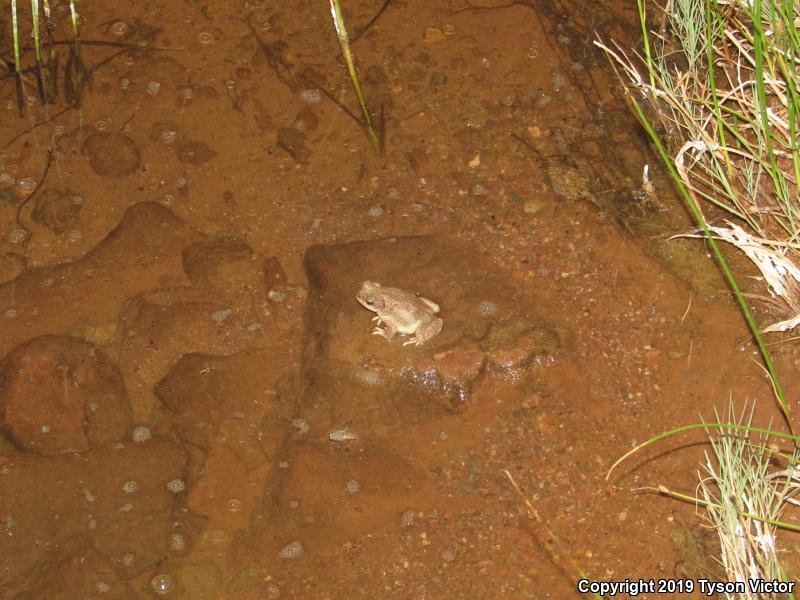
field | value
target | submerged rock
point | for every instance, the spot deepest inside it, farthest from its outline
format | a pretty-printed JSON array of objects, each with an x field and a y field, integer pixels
[
  {"x": 61, "y": 394},
  {"x": 112, "y": 154},
  {"x": 57, "y": 209}
]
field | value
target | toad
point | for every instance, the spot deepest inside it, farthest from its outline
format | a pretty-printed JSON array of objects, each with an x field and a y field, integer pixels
[{"x": 401, "y": 312}]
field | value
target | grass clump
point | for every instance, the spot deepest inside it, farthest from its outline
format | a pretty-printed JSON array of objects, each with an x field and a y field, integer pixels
[
  {"x": 744, "y": 494},
  {"x": 46, "y": 63},
  {"x": 721, "y": 90},
  {"x": 717, "y": 88},
  {"x": 720, "y": 99},
  {"x": 745, "y": 484}
]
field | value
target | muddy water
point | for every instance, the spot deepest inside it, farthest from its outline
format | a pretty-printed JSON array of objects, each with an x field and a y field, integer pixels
[{"x": 193, "y": 404}]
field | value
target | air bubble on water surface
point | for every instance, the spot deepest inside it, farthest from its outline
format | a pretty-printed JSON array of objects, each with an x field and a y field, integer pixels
[
  {"x": 162, "y": 583},
  {"x": 176, "y": 486}
]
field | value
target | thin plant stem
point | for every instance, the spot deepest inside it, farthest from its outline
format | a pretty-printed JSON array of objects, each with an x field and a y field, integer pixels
[
  {"x": 17, "y": 59},
  {"x": 38, "y": 50},
  {"x": 344, "y": 42},
  {"x": 646, "y": 41}
]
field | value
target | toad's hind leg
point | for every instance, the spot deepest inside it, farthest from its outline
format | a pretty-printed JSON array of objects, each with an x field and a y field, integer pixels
[{"x": 425, "y": 332}]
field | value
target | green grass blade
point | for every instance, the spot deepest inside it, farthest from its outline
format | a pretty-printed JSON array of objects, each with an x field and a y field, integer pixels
[
  {"x": 698, "y": 215},
  {"x": 730, "y": 426},
  {"x": 344, "y": 42}
]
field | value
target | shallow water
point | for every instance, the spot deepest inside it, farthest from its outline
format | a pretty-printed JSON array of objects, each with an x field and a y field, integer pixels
[{"x": 192, "y": 403}]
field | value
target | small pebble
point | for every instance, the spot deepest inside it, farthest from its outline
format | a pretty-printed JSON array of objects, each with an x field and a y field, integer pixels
[
  {"x": 168, "y": 136},
  {"x": 368, "y": 377},
  {"x": 273, "y": 591},
  {"x": 217, "y": 535},
  {"x": 153, "y": 87},
  {"x": 375, "y": 212},
  {"x": 433, "y": 34},
  {"x": 177, "y": 543},
  {"x": 352, "y": 486},
  {"x": 220, "y": 315},
  {"x": 141, "y": 434},
  {"x": 487, "y": 308},
  {"x": 293, "y": 550},
  {"x": 16, "y": 236},
  {"x": 277, "y": 296},
  {"x": 176, "y": 486},
  {"x": 408, "y": 518},
  {"x": 311, "y": 96},
  {"x": 26, "y": 184}
]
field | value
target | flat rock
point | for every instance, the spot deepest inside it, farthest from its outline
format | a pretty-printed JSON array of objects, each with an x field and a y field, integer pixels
[
  {"x": 202, "y": 392},
  {"x": 343, "y": 353},
  {"x": 530, "y": 345},
  {"x": 195, "y": 153},
  {"x": 142, "y": 253},
  {"x": 57, "y": 209},
  {"x": 112, "y": 154},
  {"x": 50, "y": 501},
  {"x": 451, "y": 372},
  {"x": 61, "y": 394},
  {"x": 218, "y": 263},
  {"x": 77, "y": 571}
]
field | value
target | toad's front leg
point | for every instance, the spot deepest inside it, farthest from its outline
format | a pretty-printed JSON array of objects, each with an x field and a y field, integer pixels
[{"x": 387, "y": 333}]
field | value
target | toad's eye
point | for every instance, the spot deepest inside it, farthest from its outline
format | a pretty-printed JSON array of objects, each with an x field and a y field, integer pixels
[{"x": 370, "y": 301}]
